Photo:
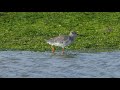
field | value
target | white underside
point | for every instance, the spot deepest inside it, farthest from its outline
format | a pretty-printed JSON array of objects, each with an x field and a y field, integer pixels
[{"x": 60, "y": 44}]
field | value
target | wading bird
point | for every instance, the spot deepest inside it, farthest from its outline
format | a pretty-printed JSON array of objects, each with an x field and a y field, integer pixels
[{"x": 62, "y": 41}]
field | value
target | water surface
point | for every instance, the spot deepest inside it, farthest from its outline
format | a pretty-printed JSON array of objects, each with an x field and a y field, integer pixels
[{"x": 73, "y": 64}]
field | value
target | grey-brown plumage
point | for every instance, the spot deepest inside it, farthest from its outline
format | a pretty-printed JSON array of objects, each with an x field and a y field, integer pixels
[{"x": 62, "y": 40}]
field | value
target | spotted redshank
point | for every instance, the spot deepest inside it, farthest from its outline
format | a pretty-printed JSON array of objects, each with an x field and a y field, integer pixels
[{"x": 62, "y": 41}]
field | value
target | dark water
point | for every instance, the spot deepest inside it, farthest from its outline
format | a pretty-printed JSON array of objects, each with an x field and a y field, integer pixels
[{"x": 28, "y": 64}]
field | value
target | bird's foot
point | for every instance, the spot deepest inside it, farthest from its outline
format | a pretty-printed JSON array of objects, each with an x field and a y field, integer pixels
[{"x": 53, "y": 50}]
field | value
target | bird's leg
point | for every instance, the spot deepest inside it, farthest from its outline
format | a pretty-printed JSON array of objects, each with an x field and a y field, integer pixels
[
  {"x": 62, "y": 50},
  {"x": 53, "y": 49}
]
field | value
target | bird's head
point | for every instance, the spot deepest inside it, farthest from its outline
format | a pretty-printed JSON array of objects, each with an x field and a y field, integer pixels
[{"x": 73, "y": 33}]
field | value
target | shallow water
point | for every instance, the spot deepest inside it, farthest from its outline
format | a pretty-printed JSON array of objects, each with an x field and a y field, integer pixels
[{"x": 29, "y": 64}]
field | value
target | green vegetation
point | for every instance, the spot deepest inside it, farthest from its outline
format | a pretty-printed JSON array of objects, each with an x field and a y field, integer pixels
[{"x": 28, "y": 30}]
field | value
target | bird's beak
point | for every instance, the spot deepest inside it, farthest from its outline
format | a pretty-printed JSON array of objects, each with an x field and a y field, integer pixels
[{"x": 77, "y": 34}]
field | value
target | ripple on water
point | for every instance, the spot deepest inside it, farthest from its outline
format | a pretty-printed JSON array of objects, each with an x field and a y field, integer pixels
[{"x": 71, "y": 64}]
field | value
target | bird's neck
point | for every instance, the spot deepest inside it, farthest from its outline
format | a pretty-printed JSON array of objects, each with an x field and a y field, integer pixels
[{"x": 71, "y": 38}]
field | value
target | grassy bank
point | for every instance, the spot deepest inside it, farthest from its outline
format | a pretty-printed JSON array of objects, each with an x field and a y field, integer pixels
[{"x": 27, "y": 30}]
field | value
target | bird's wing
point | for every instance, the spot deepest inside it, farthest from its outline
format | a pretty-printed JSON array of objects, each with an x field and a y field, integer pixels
[{"x": 60, "y": 39}]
